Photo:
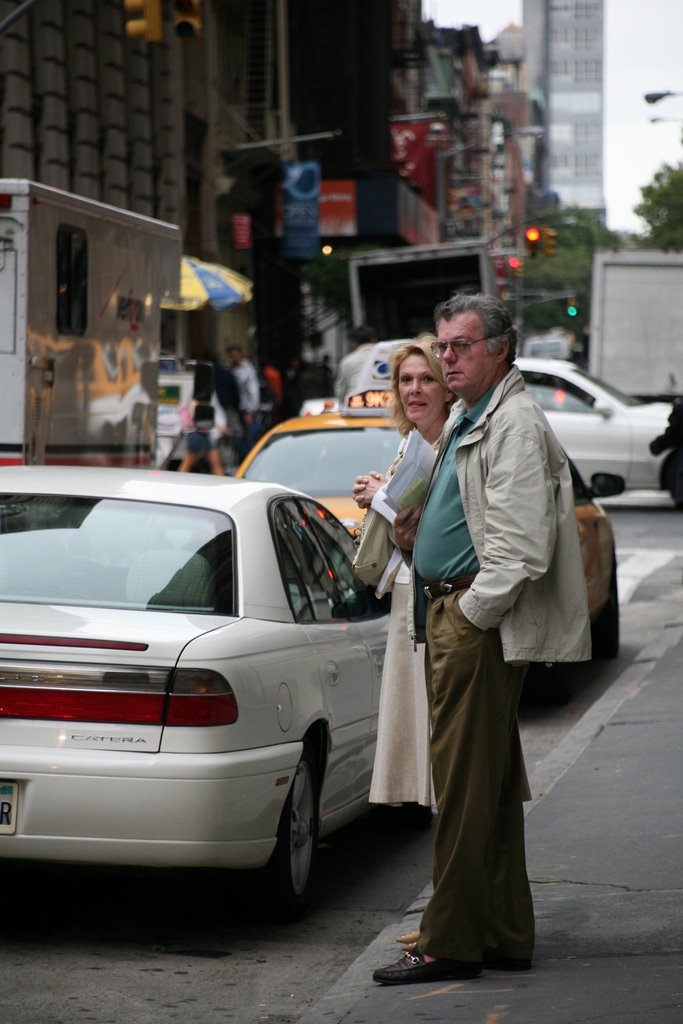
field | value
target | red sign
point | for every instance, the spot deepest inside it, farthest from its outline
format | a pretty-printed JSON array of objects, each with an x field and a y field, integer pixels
[
  {"x": 412, "y": 146},
  {"x": 241, "y": 231}
]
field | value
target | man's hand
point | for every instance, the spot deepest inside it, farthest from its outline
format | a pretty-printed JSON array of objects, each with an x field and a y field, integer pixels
[{"x": 405, "y": 526}]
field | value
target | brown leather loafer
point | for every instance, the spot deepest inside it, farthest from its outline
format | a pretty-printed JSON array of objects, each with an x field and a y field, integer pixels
[{"x": 412, "y": 967}]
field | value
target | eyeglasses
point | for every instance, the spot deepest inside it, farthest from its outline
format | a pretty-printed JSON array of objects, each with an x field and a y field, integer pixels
[{"x": 459, "y": 346}]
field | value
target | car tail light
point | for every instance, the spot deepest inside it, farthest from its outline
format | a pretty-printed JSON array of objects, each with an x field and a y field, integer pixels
[
  {"x": 122, "y": 696},
  {"x": 200, "y": 697},
  {"x": 77, "y": 706},
  {"x": 83, "y": 693}
]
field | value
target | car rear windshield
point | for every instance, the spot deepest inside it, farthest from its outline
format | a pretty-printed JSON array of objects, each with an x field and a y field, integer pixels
[
  {"x": 57, "y": 549},
  {"x": 324, "y": 463}
]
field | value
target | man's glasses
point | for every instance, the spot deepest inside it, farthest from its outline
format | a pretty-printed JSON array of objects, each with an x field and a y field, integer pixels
[{"x": 459, "y": 346}]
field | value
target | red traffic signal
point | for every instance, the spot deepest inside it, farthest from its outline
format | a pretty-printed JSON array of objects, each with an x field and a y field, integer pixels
[
  {"x": 532, "y": 236},
  {"x": 515, "y": 266}
]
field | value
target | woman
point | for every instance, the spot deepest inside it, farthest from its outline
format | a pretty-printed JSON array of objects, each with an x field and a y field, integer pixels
[{"x": 402, "y": 775}]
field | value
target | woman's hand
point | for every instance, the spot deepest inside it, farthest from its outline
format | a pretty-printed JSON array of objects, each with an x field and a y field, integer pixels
[{"x": 365, "y": 487}]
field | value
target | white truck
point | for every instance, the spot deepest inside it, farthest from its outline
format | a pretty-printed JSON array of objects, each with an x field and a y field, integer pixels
[
  {"x": 396, "y": 290},
  {"x": 80, "y": 290},
  {"x": 636, "y": 325}
]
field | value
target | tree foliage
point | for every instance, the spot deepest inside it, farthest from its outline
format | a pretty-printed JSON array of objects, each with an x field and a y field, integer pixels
[
  {"x": 662, "y": 209},
  {"x": 539, "y": 297}
]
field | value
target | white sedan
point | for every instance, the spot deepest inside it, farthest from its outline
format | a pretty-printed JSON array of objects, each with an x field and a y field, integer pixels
[
  {"x": 189, "y": 673},
  {"x": 603, "y": 430}
]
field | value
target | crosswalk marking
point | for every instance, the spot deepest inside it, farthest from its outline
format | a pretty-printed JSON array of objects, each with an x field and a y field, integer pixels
[{"x": 633, "y": 566}]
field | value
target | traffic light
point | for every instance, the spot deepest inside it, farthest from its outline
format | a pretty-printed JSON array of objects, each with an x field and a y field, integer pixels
[
  {"x": 533, "y": 237},
  {"x": 188, "y": 19},
  {"x": 515, "y": 266},
  {"x": 548, "y": 241},
  {"x": 572, "y": 309},
  {"x": 144, "y": 20}
]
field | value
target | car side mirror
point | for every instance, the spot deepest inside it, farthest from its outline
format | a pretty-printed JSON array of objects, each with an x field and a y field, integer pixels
[
  {"x": 604, "y": 410},
  {"x": 606, "y": 485}
]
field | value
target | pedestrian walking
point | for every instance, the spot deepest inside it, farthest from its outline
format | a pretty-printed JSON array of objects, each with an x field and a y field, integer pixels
[
  {"x": 498, "y": 583},
  {"x": 246, "y": 376},
  {"x": 204, "y": 424}
]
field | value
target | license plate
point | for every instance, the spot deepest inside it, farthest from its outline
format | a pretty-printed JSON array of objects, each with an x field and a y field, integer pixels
[{"x": 9, "y": 799}]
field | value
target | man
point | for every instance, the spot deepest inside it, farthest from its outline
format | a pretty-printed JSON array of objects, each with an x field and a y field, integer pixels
[
  {"x": 497, "y": 566},
  {"x": 350, "y": 366},
  {"x": 246, "y": 376}
]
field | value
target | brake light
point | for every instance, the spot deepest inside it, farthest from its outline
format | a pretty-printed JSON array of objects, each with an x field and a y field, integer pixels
[
  {"x": 200, "y": 697},
  {"x": 79, "y": 706},
  {"x": 83, "y": 693},
  {"x": 131, "y": 696}
]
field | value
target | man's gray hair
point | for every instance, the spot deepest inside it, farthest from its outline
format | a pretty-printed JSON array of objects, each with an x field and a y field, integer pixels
[{"x": 496, "y": 319}]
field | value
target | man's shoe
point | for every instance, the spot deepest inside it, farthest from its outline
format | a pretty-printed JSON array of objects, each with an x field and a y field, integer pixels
[
  {"x": 412, "y": 967},
  {"x": 496, "y": 962}
]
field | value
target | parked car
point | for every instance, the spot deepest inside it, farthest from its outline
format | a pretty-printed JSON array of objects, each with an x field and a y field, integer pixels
[
  {"x": 603, "y": 430},
  {"x": 189, "y": 673},
  {"x": 322, "y": 454}
]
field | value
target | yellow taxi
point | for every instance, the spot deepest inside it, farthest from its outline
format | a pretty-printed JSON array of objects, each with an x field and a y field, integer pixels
[{"x": 321, "y": 455}]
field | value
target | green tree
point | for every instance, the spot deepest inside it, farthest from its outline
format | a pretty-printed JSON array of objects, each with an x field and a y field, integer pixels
[
  {"x": 328, "y": 279},
  {"x": 662, "y": 209}
]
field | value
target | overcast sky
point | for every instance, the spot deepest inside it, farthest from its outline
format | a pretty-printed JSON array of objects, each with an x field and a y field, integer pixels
[{"x": 643, "y": 53}]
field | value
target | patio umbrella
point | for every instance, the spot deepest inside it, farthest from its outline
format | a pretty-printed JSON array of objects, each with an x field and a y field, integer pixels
[{"x": 202, "y": 283}]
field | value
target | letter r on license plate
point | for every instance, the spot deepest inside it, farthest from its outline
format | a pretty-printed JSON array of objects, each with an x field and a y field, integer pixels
[{"x": 9, "y": 797}]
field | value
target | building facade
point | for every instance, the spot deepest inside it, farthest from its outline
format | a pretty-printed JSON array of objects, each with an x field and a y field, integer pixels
[{"x": 564, "y": 52}]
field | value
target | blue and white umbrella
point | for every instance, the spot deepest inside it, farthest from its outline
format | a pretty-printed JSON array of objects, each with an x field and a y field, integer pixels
[{"x": 209, "y": 283}]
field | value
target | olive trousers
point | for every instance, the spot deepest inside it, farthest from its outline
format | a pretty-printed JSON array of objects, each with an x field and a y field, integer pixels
[{"x": 481, "y": 903}]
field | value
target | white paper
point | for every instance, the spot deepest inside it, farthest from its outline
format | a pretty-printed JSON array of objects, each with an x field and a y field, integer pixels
[{"x": 410, "y": 481}]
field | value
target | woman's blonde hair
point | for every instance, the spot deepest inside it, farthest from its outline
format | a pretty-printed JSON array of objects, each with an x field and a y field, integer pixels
[{"x": 421, "y": 346}]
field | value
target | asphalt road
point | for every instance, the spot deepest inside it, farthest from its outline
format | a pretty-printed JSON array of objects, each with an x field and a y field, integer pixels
[{"x": 127, "y": 947}]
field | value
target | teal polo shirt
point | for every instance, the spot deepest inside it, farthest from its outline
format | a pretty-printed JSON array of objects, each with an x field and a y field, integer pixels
[{"x": 443, "y": 548}]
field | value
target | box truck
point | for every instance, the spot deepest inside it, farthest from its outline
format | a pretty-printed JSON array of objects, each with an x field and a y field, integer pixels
[
  {"x": 396, "y": 290},
  {"x": 80, "y": 289},
  {"x": 636, "y": 325}
]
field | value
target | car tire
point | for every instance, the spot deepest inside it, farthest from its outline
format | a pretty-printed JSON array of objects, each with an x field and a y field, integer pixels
[
  {"x": 547, "y": 685},
  {"x": 289, "y": 872},
  {"x": 605, "y": 629}
]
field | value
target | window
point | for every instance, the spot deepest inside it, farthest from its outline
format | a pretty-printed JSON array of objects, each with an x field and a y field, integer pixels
[
  {"x": 315, "y": 553},
  {"x": 115, "y": 554},
  {"x": 311, "y": 590},
  {"x": 554, "y": 394},
  {"x": 72, "y": 281}
]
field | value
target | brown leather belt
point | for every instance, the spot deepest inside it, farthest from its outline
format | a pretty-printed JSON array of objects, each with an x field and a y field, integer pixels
[{"x": 442, "y": 587}]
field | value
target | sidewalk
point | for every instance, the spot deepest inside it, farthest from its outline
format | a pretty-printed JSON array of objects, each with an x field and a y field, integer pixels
[{"x": 605, "y": 856}]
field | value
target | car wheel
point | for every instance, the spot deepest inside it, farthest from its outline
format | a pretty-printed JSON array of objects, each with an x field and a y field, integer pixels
[
  {"x": 546, "y": 685},
  {"x": 605, "y": 629},
  {"x": 289, "y": 871}
]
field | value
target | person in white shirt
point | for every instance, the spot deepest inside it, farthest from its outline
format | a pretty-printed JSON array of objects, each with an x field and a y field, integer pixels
[{"x": 246, "y": 376}]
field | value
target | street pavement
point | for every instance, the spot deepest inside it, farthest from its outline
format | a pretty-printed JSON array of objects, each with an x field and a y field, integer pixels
[{"x": 605, "y": 855}]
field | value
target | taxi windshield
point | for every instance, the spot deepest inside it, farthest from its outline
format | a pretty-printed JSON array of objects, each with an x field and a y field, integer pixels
[{"x": 324, "y": 462}]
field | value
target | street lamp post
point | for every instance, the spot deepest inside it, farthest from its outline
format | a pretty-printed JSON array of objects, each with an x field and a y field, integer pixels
[{"x": 655, "y": 97}]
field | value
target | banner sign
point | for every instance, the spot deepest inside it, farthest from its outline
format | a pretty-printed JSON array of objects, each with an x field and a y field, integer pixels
[
  {"x": 300, "y": 195},
  {"x": 241, "y": 231},
  {"x": 412, "y": 147}
]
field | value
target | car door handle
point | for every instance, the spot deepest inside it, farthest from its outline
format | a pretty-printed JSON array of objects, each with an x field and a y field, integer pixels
[{"x": 332, "y": 673}]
